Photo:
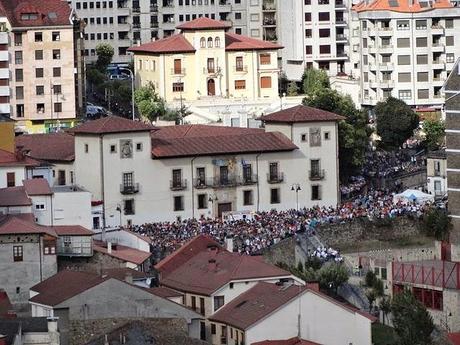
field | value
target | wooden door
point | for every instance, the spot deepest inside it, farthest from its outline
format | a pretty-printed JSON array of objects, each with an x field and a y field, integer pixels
[
  {"x": 211, "y": 87},
  {"x": 223, "y": 207}
]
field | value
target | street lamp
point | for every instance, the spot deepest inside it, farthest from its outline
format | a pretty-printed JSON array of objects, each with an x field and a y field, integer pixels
[
  {"x": 296, "y": 188},
  {"x": 131, "y": 74}
]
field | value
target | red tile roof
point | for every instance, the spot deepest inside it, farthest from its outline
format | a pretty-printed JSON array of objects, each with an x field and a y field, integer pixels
[
  {"x": 255, "y": 304},
  {"x": 64, "y": 285},
  {"x": 454, "y": 338},
  {"x": 236, "y": 42},
  {"x": 49, "y": 12},
  {"x": 14, "y": 196},
  {"x": 11, "y": 159},
  {"x": 72, "y": 230},
  {"x": 48, "y": 147},
  {"x": 112, "y": 124},
  {"x": 172, "y": 44},
  {"x": 13, "y": 225},
  {"x": 211, "y": 269},
  {"x": 406, "y": 6},
  {"x": 202, "y": 140},
  {"x": 37, "y": 186},
  {"x": 291, "y": 341},
  {"x": 185, "y": 253},
  {"x": 203, "y": 23},
  {"x": 301, "y": 113},
  {"x": 122, "y": 272},
  {"x": 164, "y": 292},
  {"x": 123, "y": 253}
]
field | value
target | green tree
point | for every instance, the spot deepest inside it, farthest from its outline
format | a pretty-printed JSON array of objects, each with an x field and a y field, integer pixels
[
  {"x": 314, "y": 80},
  {"x": 436, "y": 223},
  {"x": 370, "y": 278},
  {"x": 283, "y": 83},
  {"x": 104, "y": 54},
  {"x": 396, "y": 122},
  {"x": 371, "y": 297},
  {"x": 293, "y": 89},
  {"x": 412, "y": 322},
  {"x": 353, "y": 132},
  {"x": 332, "y": 275},
  {"x": 434, "y": 134},
  {"x": 385, "y": 307},
  {"x": 149, "y": 103}
]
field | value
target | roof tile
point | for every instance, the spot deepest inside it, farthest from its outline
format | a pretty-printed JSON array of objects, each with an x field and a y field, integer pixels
[
  {"x": 48, "y": 147},
  {"x": 301, "y": 113},
  {"x": 11, "y": 159},
  {"x": 172, "y": 44},
  {"x": 112, "y": 124},
  {"x": 37, "y": 186},
  {"x": 122, "y": 252},
  {"x": 14, "y": 225},
  {"x": 204, "y": 23},
  {"x": 72, "y": 230},
  {"x": 14, "y": 196},
  {"x": 236, "y": 42}
]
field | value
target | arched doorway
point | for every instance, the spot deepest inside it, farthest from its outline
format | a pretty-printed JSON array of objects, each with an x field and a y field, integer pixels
[{"x": 211, "y": 87}]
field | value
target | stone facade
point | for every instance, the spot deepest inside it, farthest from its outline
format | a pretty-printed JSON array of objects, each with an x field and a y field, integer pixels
[{"x": 95, "y": 263}]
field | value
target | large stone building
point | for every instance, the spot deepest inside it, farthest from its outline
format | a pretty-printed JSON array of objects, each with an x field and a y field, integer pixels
[
  {"x": 204, "y": 60},
  {"x": 46, "y": 88}
]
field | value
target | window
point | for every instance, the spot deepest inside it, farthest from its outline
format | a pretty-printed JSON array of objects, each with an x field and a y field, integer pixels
[
  {"x": 178, "y": 203},
  {"x": 57, "y": 89},
  {"x": 218, "y": 302},
  {"x": 18, "y": 39},
  {"x": 324, "y": 49},
  {"x": 327, "y": 135},
  {"x": 315, "y": 137},
  {"x": 403, "y": 42},
  {"x": 209, "y": 42},
  {"x": 422, "y": 59},
  {"x": 449, "y": 40},
  {"x": 273, "y": 172},
  {"x": 315, "y": 192},
  {"x": 40, "y": 108},
  {"x": 405, "y": 94},
  {"x": 265, "y": 59},
  {"x": 308, "y": 50},
  {"x": 56, "y": 54},
  {"x": 17, "y": 253},
  {"x": 129, "y": 206},
  {"x": 203, "y": 42},
  {"x": 450, "y": 57},
  {"x": 19, "y": 92},
  {"x": 19, "y": 74},
  {"x": 39, "y": 55},
  {"x": 303, "y": 137},
  {"x": 217, "y": 42},
  {"x": 315, "y": 170},
  {"x": 239, "y": 64},
  {"x": 323, "y": 16},
  {"x": 86, "y": 148},
  {"x": 210, "y": 65},
  {"x": 56, "y": 36},
  {"x": 420, "y": 24},
  {"x": 274, "y": 196},
  {"x": 422, "y": 76},
  {"x": 201, "y": 305},
  {"x": 325, "y": 33},
  {"x": 266, "y": 82},
  {"x": 10, "y": 179},
  {"x": 56, "y": 71},
  {"x": 194, "y": 303},
  {"x": 423, "y": 93},
  {"x": 308, "y": 17},
  {"x": 403, "y": 59},
  {"x": 178, "y": 87},
  {"x": 213, "y": 328},
  {"x": 49, "y": 247},
  {"x": 247, "y": 197},
  {"x": 39, "y": 72},
  {"x": 403, "y": 25},
  {"x": 38, "y": 37},
  {"x": 308, "y": 33},
  {"x": 19, "y": 110},
  {"x": 18, "y": 57},
  {"x": 421, "y": 42},
  {"x": 138, "y": 146},
  {"x": 240, "y": 84},
  {"x": 404, "y": 77},
  {"x": 128, "y": 180},
  {"x": 202, "y": 201},
  {"x": 39, "y": 90}
]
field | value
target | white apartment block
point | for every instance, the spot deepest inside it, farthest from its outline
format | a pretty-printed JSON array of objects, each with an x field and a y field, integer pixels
[{"x": 407, "y": 52}]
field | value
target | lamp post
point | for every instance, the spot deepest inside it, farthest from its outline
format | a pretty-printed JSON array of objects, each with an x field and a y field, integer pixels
[
  {"x": 296, "y": 188},
  {"x": 131, "y": 74}
]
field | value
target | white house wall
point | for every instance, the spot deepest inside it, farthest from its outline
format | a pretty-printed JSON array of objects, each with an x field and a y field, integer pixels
[
  {"x": 72, "y": 208},
  {"x": 19, "y": 173}
]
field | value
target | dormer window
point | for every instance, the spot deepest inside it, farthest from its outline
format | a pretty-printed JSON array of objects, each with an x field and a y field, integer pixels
[{"x": 29, "y": 16}]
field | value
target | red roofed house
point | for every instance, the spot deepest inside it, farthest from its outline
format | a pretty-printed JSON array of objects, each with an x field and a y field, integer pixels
[
  {"x": 204, "y": 60},
  {"x": 142, "y": 173},
  {"x": 279, "y": 313},
  {"x": 15, "y": 167}
]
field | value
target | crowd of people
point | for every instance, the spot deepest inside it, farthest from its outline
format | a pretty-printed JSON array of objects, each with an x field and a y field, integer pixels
[
  {"x": 385, "y": 164},
  {"x": 251, "y": 235},
  {"x": 327, "y": 254}
]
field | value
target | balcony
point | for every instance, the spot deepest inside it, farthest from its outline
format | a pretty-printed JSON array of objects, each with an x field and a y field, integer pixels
[
  {"x": 340, "y": 22},
  {"x": 269, "y": 22},
  {"x": 340, "y": 4},
  {"x": 241, "y": 69},
  {"x": 168, "y": 4},
  {"x": 275, "y": 178},
  {"x": 207, "y": 70},
  {"x": 386, "y": 66},
  {"x": 176, "y": 185},
  {"x": 136, "y": 25},
  {"x": 224, "y": 181},
  {"x": 154, "y": 25},
  {"x": 340, "y": 37},
  {"x": 178, "y": 71},
  {"x": 4, "y": 73},
  {"x": 437, "y": 29},
  {"x": 248, "y": 180},
  {"x": 3, "y": 37},
  {"x": 438, "y": 64},
  {"x": 202, "y": 183},
  {"x": 4, "y": 91},
  {"x": 268, "y": 6},
  {"x": 438, "y": 47},
  {"x": 153, "y": 8},
  {"x": 74, "y": 248},
  {"x": 129, "y": 188},
  {"x": 4, "y": 55},
  {"x": 385, "y": 31},
  {"x": 136, "y": 10},
  {"x": 316, "y": 175},
  {"x": 387, "y": 84}
]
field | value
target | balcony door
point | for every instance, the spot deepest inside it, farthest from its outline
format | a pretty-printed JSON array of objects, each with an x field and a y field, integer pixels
[
  {"x": 211, "y": 67},
  {"x": 128, "y": 180},
  {"x": 223, "y": 175},
  {"x": 177, "y": 178},
  {"x": 211, "y": 87},
  {"x": 273, "y": 171},
  {"x": 177, "y": 66}
]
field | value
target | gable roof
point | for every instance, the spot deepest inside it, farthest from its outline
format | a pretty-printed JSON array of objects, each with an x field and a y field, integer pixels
[
  {"x": 291, "y": 341},
  {"x": 211, "y": 269},
  {"x": 11, "y": 159},
  {"x": 301, "y": 113},
  {"x": 203, "y": 140},
  {"x": 407, "y": 6},
  {"x": 14, "y": 196},
  {"x": 48, "y": 147},
  {"x": 72, "y": 230},
  {"x": 123, "y": 253},
  {"x": 37, "y": 186},
  {"x": 255, "y": 304},
  {"x": 203, "y": 23},
  {"x": 14, "y": 225},
  {"x": 111, "y": 124},
  {"x": 48, "y": 13},
  {"x": 236, "y": 42},
  {"x": 173, "y": 44}
]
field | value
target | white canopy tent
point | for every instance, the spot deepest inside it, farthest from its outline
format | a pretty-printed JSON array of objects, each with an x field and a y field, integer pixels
[{"x": 411, "y": 195}]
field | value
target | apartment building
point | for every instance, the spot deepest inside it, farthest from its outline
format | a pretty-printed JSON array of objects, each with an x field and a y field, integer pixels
[
  {"x": 204, "y": 60},
  {"x": 407, "y": 50},
  {"x": 46, "y": 87}
]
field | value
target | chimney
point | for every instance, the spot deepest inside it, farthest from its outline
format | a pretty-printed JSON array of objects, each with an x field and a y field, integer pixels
[
  {"x": 53, "y": 332},
  {"x": 109, "y": 247},
  {"x": 229, "y": 244},
  {"x": 313, "y": 286}
]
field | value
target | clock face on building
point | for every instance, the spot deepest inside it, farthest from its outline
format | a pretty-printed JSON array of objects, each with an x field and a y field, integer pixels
[{"x": 126, "y": 148}]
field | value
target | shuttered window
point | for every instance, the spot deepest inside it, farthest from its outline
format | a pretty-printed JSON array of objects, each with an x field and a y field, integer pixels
[
  {"x": 265, "y": 59},
  {"x": 10, "y": 179},
  {"x": 240, "y": 84},
  {"x": 265, "y": 82}
]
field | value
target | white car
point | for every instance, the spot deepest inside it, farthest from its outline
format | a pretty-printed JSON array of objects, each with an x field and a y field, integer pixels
[{"x": 120, "y": 77}]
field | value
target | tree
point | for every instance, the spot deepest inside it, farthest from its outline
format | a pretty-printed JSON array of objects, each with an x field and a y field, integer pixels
[
  {"x": 353, "y": 132},
  {"x": 436, "y": 223},
  {"x": 332, "y": 275},
  {"x": 434, "y": 134},
  {"x": 293, "y": 89},
  {"x": 412, "y": 322},
  {"x": 104, "y": 54},
  {"x": 385, "y": 307},
  {"x": 395, "y": 122},
  {"x": 314, "y": 80},
  {"x": 283, "y": 83},
  {"x": 371, "y": 297},
  {"x": 370, "y": 278},
  {"x": 149, "y": 103}
]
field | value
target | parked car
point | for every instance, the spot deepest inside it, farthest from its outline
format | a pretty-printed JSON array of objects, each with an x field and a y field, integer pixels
[{"x": 120, "y": 77}]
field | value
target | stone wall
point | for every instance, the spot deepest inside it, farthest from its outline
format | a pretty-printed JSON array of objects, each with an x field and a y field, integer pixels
[
  {"x": 95, "y": 263},
  {"x": 283, "y": 251}
]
